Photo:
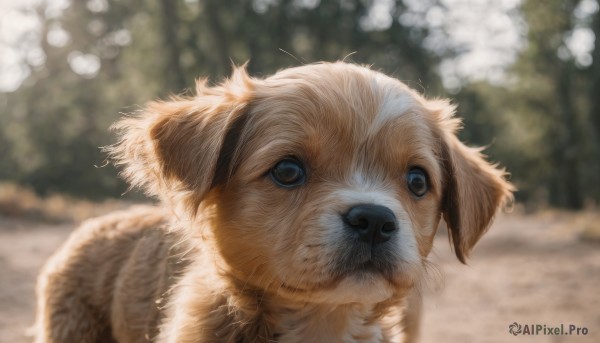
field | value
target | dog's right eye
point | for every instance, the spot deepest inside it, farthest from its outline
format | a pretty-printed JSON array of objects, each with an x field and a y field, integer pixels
[
  {"x": 288, "y": 173},
  {"x": 417, "y": 181}
]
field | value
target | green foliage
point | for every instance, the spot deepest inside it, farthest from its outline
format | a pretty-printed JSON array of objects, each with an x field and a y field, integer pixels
[
  {"x": 543, "y": 124},
  {"x": 542, "y": 119},
  {"x": 54, "y": 124}
]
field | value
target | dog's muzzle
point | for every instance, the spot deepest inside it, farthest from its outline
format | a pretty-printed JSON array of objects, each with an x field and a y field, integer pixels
[{"x": 368, "y": 245}]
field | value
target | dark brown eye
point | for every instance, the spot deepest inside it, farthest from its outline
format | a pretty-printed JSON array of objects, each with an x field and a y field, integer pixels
[
  {"x": 416, "y": 180},
  {"x": 288, "y": 173}
]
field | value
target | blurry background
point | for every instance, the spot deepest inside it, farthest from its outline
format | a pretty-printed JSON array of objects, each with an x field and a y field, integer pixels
[{"x": 525, "y": 75}]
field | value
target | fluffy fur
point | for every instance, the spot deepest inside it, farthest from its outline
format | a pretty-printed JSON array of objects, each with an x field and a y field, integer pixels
[{"x": 231, "y": 256}]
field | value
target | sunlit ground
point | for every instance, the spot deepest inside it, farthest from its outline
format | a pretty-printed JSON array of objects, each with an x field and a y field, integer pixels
[{"x": 541, "y": 269}]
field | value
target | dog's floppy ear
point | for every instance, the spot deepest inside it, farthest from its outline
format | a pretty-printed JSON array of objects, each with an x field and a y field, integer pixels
[
  {"x": 183, "y": 147},
  {"x": 473, "y": 188}
]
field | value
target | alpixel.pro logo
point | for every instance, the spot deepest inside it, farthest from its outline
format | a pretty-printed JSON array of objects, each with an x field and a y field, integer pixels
[{"x": 516, "y": 329}]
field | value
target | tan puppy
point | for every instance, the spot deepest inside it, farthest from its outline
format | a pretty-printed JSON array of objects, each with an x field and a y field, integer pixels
[{"x": 296, "y": 208}]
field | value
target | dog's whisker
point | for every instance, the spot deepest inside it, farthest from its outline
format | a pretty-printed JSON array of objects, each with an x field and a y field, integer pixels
[{"x": 434, "y": 277}]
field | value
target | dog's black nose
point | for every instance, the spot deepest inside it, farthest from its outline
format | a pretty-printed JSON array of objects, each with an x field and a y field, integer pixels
[{"x": 373, "y": 223}]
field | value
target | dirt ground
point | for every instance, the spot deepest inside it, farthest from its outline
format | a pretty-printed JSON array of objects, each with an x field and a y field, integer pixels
[{"x": 527, "y": 269}]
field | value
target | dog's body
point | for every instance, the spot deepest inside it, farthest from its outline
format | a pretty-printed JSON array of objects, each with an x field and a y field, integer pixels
[
  {"x": 106, "y": 265},
  {"x": 297, "y": 208}
]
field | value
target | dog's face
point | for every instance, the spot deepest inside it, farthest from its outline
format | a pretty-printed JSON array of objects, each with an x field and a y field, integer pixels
[{"x": 322, "y": 183}]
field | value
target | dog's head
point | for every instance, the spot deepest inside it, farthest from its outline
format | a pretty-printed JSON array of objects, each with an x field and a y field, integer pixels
[{"x": 324, "y": 182}]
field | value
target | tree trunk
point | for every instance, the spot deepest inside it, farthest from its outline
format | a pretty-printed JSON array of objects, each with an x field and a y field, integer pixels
[
  {"x": 568, "y": 155},
  {"x": 219, "y": 37},
  {"x": 174, "y": 75},
  {"x": 594, "y": 100}
]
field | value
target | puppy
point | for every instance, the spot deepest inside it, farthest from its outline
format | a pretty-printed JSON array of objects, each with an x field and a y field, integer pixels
[{"x": 296, "y": 208}]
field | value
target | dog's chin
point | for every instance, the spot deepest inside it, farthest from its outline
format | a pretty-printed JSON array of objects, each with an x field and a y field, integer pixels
[{"x": 365, "y": 285}]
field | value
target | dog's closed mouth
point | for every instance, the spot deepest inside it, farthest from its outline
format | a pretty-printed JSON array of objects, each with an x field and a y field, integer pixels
[
  {"x": 367, "y": 267},
  {"x": 369, "y": 272},
  {"x": 367, "y": 261}
]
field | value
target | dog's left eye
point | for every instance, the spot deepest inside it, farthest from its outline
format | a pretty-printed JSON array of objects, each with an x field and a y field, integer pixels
[
  {"x": 417, "y": 181},
  {"x": 288, "y": 173}
]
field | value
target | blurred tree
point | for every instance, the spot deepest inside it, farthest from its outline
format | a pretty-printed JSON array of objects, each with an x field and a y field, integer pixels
[
  {"x": 540, "y": 116},
  {"x": 97, "y": 58},
  {"x": 101, "y": 56},
  {"x": 593, "y": 94},
  {"x": 546, "y": 88}
]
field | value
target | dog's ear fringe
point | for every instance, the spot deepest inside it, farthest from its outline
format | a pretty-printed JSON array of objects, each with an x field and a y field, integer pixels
[
  {"x": 497, "y": 192},
  {"x": 465, "y": 233},
  {"x": 135, "y": 152},
  {"x": 444, "y": 115}
]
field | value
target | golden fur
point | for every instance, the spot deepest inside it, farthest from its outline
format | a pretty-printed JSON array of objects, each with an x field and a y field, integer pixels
[{"x": 231, "y": 256}]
